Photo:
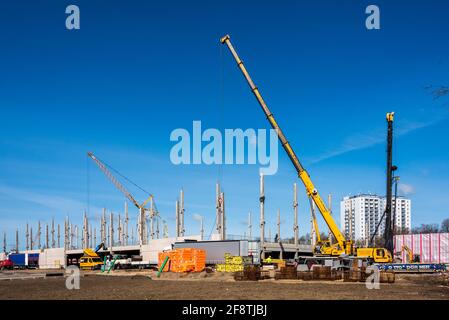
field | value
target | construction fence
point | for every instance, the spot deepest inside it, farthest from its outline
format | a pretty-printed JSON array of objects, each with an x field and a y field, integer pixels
[{"x": 431, "y": 247}]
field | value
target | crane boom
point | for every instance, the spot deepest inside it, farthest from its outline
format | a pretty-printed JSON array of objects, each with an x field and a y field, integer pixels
[
  {"x": 302, "y": 173},
  {"x": 111, "y": 177}
]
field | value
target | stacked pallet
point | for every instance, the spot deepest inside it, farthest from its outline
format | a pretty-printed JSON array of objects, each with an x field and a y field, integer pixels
[
  {"x": 287, "y": 272},
  {"x": 233, "y": 263},
  {"x": 183, "y": 260},
  {"x": 322, "y": 273},
  {"x": 249, "y": 273},
  {"x": 362, "y": 275},
  {"x": 305, "y": 275}
]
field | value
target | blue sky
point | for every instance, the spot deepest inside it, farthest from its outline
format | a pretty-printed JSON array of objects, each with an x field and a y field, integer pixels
[{"x": 137, "y": 70}]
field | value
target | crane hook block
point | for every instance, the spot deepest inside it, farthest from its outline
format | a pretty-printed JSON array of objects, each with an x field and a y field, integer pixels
[{"x": 226, "y": 37}]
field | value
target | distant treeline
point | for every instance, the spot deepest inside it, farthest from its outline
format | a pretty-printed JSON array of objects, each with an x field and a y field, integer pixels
[{"x": 427, "y": 228}]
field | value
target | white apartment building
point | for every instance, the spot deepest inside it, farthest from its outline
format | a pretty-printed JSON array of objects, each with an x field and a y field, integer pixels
[{"x": 360, "y": 214}]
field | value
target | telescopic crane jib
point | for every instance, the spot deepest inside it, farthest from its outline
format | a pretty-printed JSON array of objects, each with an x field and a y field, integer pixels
[{"x": 342, "y": 246}]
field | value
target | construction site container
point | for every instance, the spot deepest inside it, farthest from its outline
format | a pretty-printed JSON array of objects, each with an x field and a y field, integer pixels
[
  {"x": 52, "y": 258},
  {"x": 18, "y": 259},
  {"x": 150, "y": 251},
  {"x": 25, "y": 260},
  {"x": 431, "y": 247}
]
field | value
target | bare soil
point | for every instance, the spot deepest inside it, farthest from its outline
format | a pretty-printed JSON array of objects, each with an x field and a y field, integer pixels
[{"x": 124, "y": 285}]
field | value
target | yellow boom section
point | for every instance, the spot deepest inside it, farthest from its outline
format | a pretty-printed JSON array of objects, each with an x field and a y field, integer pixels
[{"x": 302, "y": 173}]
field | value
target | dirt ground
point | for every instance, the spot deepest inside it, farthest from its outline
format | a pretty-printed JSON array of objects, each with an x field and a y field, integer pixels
[{"x": 145, "y": 285}]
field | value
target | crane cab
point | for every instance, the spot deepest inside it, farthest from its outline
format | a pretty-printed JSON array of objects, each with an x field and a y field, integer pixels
[{"x": 378, "y": 255}]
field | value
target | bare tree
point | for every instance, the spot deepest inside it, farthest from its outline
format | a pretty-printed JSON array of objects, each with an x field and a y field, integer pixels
[
  {"x": 402, "y": 231},
  {"x": 444, "y": 226},
  {"x": 324, "y": 236},
  {"x": 426, "y": 228}
]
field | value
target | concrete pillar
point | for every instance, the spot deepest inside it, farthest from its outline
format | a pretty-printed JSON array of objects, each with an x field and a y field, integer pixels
[
  {"x": 279, "y": 226},
  {"x": 119, "y": 230},
  {"x": 281, "y": 256},
  {"x": 46, "y": 237},
  {"x": 76, "y": 237},
  {"x": 66, "y": 234},
  {"x": 31, "y": 238},
  {"x": 314, "y": 232},
  {"x": 250, "y": 227},
  {"x": 27, "y": 236},
  {"x": 132, "y": 236},
  {"x": 262, "y": 216},
  {"x": 165, "y": 231},
  {"x": 71, "y": 235},
  {"x": 111, "y": 230},
  {"x": 202, "y": 229},
  {"x": 17, "y": 240},
  {"x": 223, "y": 217},
  {"x": 295, "y": 215},
  {"x": 218, "y": 209},
  {"x": 151, "y": 219},
  {"x": 182, "y": 212},
  {"x": 269, "y": 234},
  {"x": 39, "y": 231},
  {"x": 59, "y": 235},
  {"x": 53, "y": 243},
  {"x": 143, "y": 236},
  {"x": 91, "y": 239},
  {"x": 103, "y": 228},
  {"x": 126, "y": 223},
  {"x": 177, "y": 219}
]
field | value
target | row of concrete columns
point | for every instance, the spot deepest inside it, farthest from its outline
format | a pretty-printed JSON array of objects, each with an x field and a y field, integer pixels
[{"x": 71, "y": 233}]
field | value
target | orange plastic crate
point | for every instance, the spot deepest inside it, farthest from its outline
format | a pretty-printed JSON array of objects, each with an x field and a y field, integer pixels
[{"x": 184, "y": 260}]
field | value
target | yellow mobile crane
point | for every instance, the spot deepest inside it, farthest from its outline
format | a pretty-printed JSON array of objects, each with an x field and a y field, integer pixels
[{"x": 342, "y": 246}]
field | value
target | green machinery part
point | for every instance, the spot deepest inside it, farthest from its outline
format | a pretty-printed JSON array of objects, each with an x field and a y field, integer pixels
[
  {"x": 103, "y": 267},
  {"x": 162, "y": 267},
  {"x": 112, "y": 264}
]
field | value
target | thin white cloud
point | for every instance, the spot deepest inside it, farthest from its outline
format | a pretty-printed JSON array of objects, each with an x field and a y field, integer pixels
[
  {"x": 364, "y": 140},
  {"x": 406, "y": 189},
  {"x": 57, "y": 203}
]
